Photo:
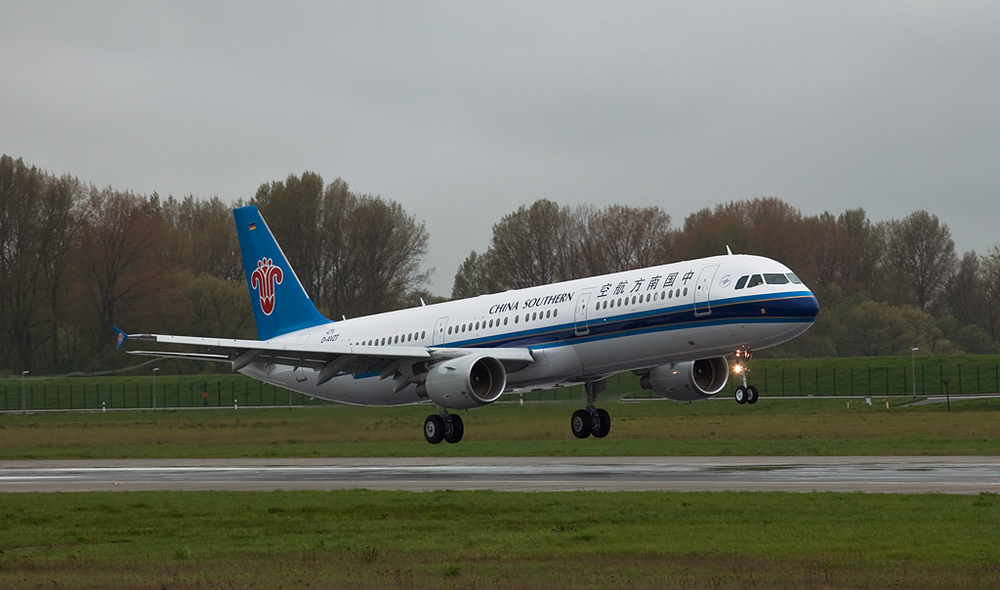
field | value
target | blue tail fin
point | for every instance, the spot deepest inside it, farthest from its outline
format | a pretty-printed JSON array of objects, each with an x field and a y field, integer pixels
[{"x": 280, "y": 304}]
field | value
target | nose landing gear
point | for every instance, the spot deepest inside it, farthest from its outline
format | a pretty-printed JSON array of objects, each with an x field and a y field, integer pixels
[{"x": 745, "y": 394}]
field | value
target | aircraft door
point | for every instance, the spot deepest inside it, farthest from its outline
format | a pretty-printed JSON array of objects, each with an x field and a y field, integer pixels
[
  {"x": 439, "y": 328},
  {"x": 702, "y": 288},
  {"x": 580, "y": 318}
]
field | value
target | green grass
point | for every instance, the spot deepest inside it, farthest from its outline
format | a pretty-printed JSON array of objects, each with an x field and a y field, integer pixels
[
  {"x": 363, "y": 539},
  {"x": 771, "y": 427}
]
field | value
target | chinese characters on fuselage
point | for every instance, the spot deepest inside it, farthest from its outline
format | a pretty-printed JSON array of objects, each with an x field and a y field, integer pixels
[{"x": 652, "y": 284}]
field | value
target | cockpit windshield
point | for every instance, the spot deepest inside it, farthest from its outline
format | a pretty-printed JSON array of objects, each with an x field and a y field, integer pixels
[{"x": 771, "y": 278}]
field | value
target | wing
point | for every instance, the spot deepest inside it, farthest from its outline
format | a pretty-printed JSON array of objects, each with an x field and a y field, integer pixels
[{"x": 329, "y": 359}]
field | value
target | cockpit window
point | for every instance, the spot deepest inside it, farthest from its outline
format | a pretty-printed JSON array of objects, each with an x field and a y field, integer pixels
[
  {"x": 742, "y": 282},
  {"x": 775, "y": 278},
  {"x": 791, "y": 276},
  {"x": 754, "y": 281}
]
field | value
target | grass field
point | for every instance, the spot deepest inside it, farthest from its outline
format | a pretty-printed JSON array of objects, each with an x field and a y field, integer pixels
[
  {"x": 475, "y": 540},
  {"x": 360, "y": 539},
  {"x": 771, "y": 427}
]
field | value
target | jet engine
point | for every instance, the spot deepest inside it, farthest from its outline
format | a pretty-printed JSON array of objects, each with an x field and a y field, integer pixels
[
  {"x": 688, "y": 381},
  {"x": 465, "y": 382}
]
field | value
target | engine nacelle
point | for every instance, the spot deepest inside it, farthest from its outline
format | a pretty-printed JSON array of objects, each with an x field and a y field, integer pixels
[
  {"x": 465, "y": 382},
  {"x": 688, "y": 381}
]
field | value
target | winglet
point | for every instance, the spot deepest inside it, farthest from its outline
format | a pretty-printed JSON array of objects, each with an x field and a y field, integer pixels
[{"x": 120, "y": 338}]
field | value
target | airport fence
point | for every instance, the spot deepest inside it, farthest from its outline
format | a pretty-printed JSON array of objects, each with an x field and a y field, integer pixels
[
  {"x": 875, "y": 376},
  {"x": 166, "y": 392},
  {"x": 871, "y": 376}
]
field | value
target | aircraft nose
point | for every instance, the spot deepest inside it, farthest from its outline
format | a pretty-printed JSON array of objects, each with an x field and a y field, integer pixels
[{"x": 810, "y": 306}]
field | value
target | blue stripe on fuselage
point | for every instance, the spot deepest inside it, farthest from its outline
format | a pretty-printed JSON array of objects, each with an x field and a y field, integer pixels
[{"x": 793, "y": 307}]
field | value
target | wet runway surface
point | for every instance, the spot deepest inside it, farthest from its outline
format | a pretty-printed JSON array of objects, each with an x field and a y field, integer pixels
[{"x": 968, "y": 475}]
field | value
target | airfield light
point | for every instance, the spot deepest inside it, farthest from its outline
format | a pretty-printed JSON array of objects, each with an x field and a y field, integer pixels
[{"x": 913, "y": 369}]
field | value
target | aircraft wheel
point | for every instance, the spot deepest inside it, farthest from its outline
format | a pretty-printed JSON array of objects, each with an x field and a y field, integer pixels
[
  {"x": 602, "y": 423},
  {"x": 581, "y": 423},
  {"x": 454, "y": 429},
  {"x": 434, "y": 429},
  {"x": 741, "y": 395},
  {"x": 752, "y": 395}
]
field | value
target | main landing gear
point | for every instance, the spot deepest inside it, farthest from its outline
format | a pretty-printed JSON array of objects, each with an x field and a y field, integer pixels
[
  {"x": 745, "y": 394},
  {"x": 592, "y": 421},
  {"x": 443, "y": 427}
]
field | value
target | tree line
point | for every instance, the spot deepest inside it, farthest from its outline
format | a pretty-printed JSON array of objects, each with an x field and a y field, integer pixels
[
  {"x": 884, "y": 287},
  {"x": 76, "y": 260}
]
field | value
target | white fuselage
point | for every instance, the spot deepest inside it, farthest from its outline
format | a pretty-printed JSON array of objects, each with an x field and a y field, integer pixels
[{"x": 576, "y": 330}]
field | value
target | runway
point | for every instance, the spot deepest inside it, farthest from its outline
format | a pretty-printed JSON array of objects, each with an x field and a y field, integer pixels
[{"x": 962, "y": 475}]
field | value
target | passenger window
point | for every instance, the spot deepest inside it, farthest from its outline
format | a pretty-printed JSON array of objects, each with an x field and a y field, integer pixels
[
  {"x": 775, "y": 278},
  {"x": 742, "y": 282},
  {"x": 754, "y": 281},
  {"x": 555, "y": 312}
]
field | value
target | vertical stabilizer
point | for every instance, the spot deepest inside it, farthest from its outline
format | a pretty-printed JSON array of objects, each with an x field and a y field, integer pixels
[{"x": 280, "y": 303}]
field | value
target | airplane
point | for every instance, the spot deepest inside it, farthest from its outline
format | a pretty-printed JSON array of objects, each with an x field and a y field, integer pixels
[{"x": 676, "y": 326}]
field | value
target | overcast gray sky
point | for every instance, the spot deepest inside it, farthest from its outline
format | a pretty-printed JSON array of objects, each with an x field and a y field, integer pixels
[{"x": 463, "y": 111}]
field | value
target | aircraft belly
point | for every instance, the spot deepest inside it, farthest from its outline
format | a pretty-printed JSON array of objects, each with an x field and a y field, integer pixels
[
  {"x": 366, "y": 391},
  {"x": 551, "y": 365},
  {"x": 655, "y": 348}
]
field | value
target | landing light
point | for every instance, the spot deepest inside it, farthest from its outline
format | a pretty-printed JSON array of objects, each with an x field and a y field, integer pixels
[{"x": 738, "y": 368}]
